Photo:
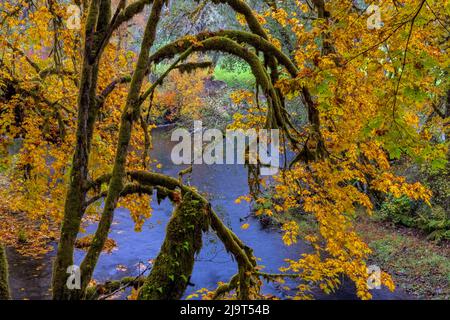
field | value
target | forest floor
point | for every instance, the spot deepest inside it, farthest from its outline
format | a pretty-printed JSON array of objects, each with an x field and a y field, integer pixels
[
  {"x": 420, "y": 267},
  {"x": 417, "y": 265},
  {"x": 30, "y": 237}
]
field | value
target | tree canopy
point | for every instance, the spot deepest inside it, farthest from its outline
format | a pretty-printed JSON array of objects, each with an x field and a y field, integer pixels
[{"x": 77, "y": 103}]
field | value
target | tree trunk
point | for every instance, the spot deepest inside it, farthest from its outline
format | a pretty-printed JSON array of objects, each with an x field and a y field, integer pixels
[
  {"x": 76, "y": 193},
  {"x": 130, "y": 115},
  {"x": 4, "y": 286},
  {"x": 172, "y": 269}
]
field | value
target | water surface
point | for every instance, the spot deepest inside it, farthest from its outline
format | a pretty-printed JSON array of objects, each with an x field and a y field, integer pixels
[{"x": 222, "y": 184}]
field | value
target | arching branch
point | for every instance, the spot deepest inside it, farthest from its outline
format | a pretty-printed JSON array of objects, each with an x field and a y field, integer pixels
[
  {"x": 110, "y": 88},
  {"x": 24, "y": 55},
  {"x": 232, "y": 243},
  {"x": 277, "y": 116},
  {"x": 131, "y": 188},
  {"x": 130, "y": 115},
  {"x": 260, "y": 44}
]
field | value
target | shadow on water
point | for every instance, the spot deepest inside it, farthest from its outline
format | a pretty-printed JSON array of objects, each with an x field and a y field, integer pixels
[{"x": 222, "y": 184}]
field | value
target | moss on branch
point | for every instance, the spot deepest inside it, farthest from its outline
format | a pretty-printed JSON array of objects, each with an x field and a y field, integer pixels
[
  {"x": 130, "y": 114},
  {"x": 173, "y": 267},
  {"x": 4, "y": 286},
  {"x": 225, "y": 288},
  {"x": 242, "y": 254},
  {"x": 242, "y": 37},
  {"x": 104, "y": 290}
]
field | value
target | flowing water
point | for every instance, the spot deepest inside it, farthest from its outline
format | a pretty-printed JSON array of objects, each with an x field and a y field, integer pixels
[{"x": 30, "y": 278}]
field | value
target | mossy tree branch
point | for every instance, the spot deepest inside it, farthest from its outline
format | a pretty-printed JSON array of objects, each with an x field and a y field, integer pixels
[
  {"x": 98, "y": 27},
  {"x": 243, "y": 8},
  {"x": 130, "y": 188},
  {"x": 259, "y": 43},
  {"x": 242, "y": 254},
  {"x": 103, "y": 290},
  {"x": 130, "y": 115},
  {"x": 4, "y": 285},
  {"x": 73, "y": 207},
  {"x": 173, "y": 266},
  {"x": 226, "y": 287},
  {"x": 277, "y": 116}
]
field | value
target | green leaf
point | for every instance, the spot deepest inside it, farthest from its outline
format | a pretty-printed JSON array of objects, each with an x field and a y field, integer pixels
[{"x": 438, "y": 164}]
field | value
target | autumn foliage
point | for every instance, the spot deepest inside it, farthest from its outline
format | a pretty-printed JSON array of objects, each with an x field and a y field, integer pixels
[{"x": 370, "y": 95}]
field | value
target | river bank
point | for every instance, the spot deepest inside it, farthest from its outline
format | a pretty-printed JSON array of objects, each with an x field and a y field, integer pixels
[{"x": 419, "y": 267}]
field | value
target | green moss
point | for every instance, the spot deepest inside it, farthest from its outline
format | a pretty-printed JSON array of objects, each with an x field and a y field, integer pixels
[
  {"x": 173, "y": 266},
  {"x": 190, "y": 67},
  {"x": 111, "y": 287},
  {"x": 129, "y": 116},
  {"x": 259, "y": 43},
  {"x": 385, "y": 249},
  {"x": 4, "y": 286},
  {"x": 22, "y": 236}
]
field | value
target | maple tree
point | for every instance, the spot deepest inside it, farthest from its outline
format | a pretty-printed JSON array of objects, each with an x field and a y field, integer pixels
[
  {"x": 79, "y": 105},
  {"x": 180, "y": 94}
]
